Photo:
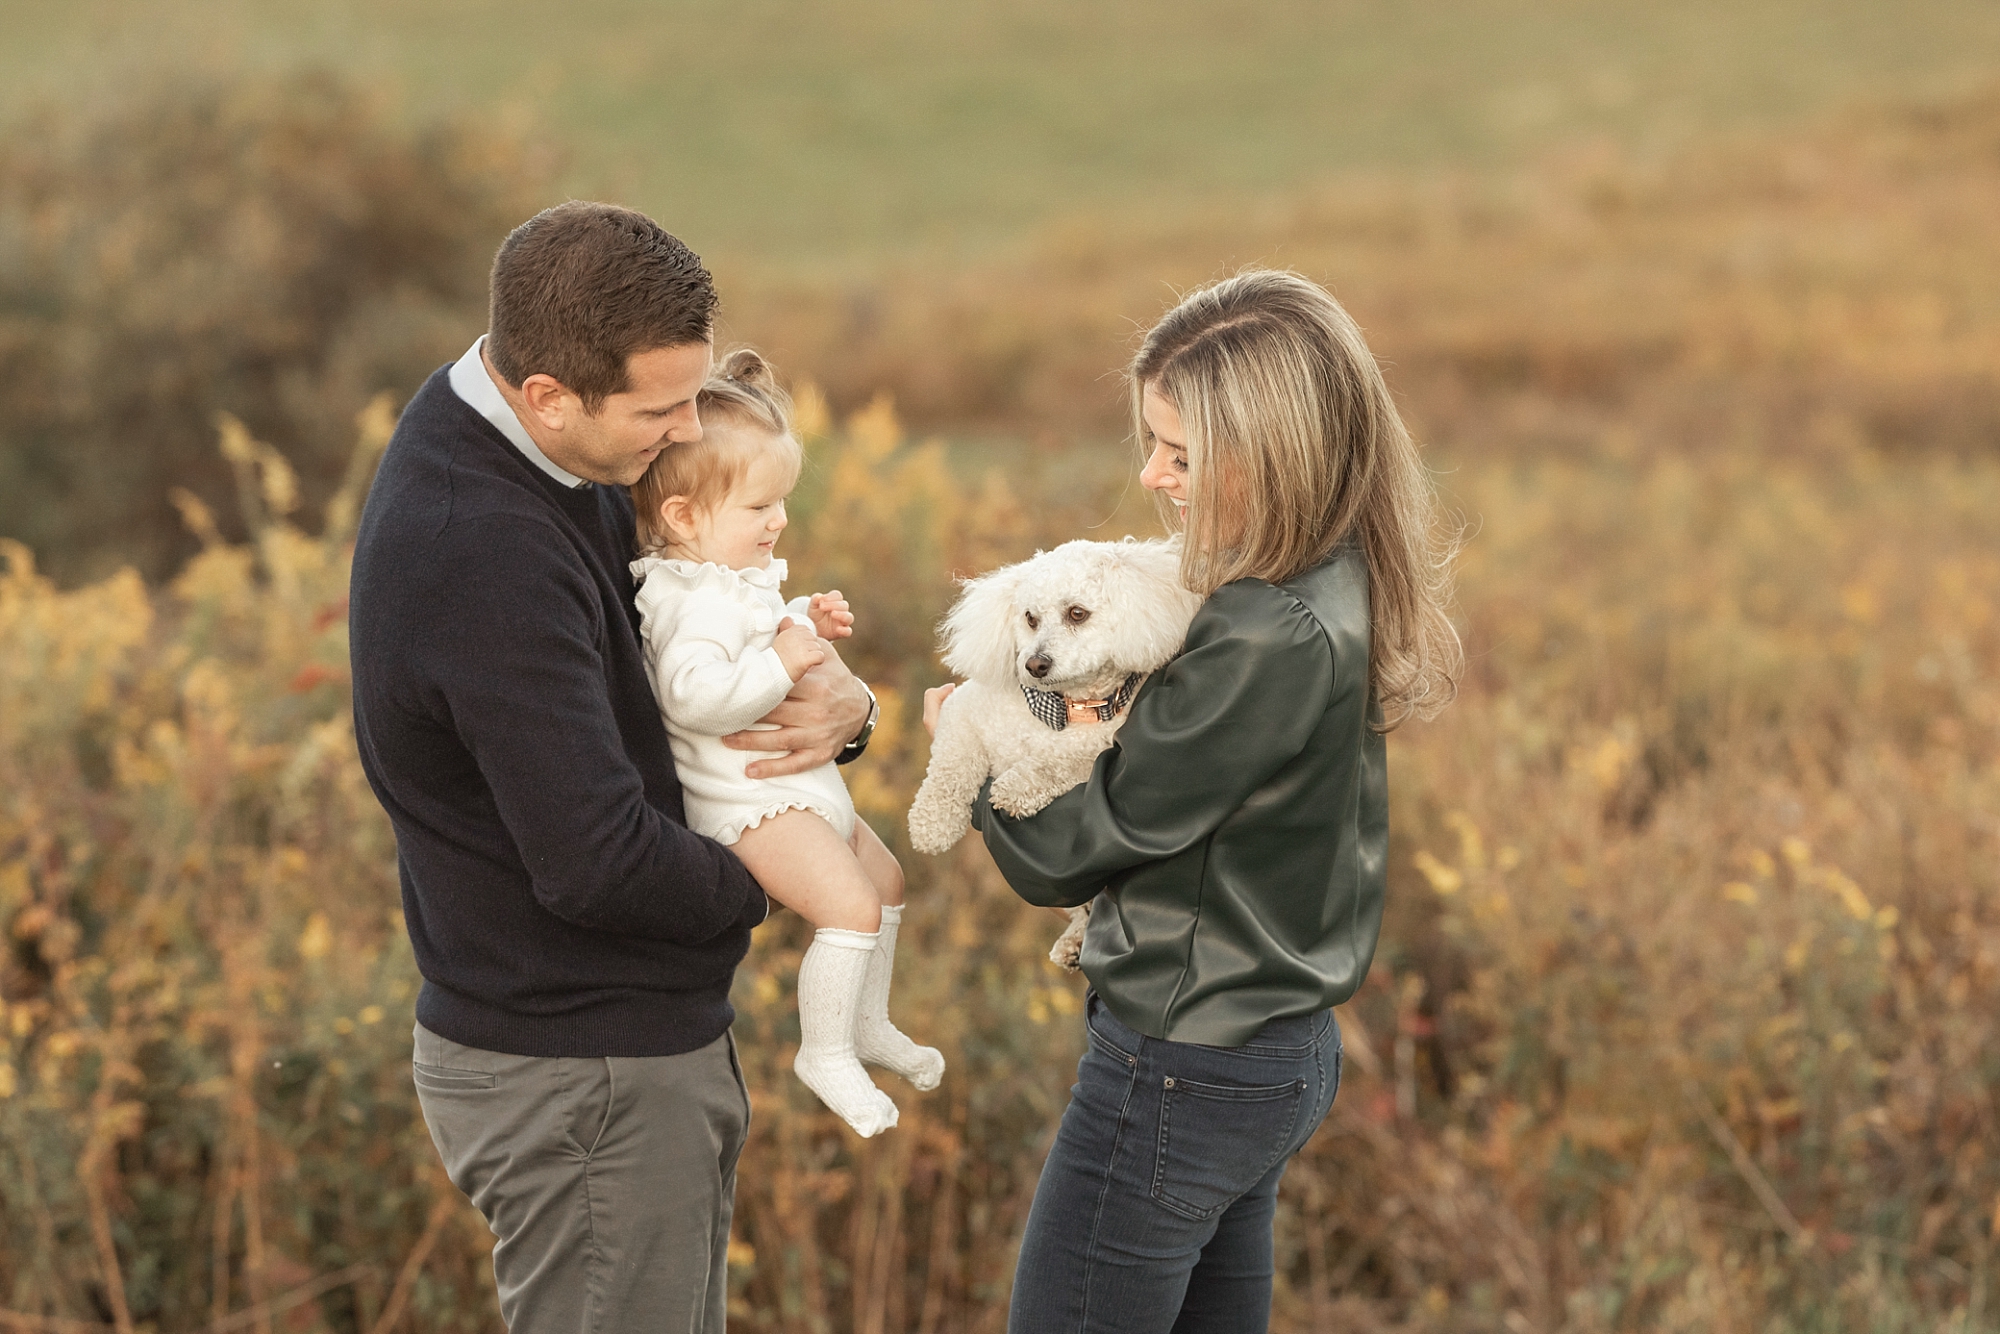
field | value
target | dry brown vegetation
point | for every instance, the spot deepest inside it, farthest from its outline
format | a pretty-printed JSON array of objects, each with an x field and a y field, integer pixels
[
  {"x": 279, "y": 249},
  {"x": 1684, "y": 1017}
]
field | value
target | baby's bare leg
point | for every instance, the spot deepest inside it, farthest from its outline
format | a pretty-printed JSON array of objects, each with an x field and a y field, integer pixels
[
  {"x": 802, "y": 863},
  {"x": 877, "y": 863},
  {"x": 876, "y": 1040}
]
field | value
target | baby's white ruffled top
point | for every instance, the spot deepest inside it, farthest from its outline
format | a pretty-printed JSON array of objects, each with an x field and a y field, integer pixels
[{"x": 708, "y": 631}]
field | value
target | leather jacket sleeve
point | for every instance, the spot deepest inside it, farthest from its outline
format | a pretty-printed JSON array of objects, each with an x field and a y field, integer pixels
[{"x": 1239, "y": 703}]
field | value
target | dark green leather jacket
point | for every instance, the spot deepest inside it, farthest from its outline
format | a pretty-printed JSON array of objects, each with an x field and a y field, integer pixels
[{"x": 1233, "y": 836}]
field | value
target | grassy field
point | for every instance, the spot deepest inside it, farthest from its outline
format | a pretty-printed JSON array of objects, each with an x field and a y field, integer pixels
[
  {"x": 1832, "y": 285},
  {"x": 807, "y": 137}
]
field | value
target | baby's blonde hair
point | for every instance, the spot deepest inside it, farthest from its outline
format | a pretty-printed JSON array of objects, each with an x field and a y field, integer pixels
[{"x": 741, "y": 392}]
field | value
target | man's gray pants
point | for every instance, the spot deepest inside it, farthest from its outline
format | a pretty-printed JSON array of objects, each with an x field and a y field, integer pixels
[{"x": 608, "y": 1181}]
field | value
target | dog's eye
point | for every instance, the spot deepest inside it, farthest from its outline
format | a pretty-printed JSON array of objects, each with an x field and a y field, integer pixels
[
  {"x": 1034, "y": 621},
  {"x": 1077, "y": 615}
]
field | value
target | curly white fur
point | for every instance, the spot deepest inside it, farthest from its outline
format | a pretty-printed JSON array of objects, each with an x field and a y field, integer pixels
[{"x": 1080, "y": 620}]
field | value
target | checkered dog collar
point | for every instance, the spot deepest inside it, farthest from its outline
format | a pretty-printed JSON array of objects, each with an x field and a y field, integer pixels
[{"x": 1058, "y": 711}]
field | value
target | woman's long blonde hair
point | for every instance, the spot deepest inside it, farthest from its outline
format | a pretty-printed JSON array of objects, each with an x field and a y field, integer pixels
[{"x": 1279, "y": 395}]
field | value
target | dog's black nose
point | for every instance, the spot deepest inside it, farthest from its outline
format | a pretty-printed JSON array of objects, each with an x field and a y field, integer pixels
[{"x": 1038, "y": 666}]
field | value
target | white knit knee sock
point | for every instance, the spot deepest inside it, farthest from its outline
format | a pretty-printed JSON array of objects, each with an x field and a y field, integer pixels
[
  {"x": 876, "y": 1040},
  {"x": 831, "y": 977}
]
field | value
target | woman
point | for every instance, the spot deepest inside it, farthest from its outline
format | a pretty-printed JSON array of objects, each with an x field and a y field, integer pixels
[{"x": 1233, "y": 837}]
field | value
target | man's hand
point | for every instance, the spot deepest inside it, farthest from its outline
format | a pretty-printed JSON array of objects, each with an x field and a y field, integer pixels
[
  {"x": 831, "y": 615},
  {"x": 822, "y": 714}
]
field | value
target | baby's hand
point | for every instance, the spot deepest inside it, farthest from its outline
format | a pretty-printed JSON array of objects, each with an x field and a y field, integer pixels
[
  {"x": 831, "y": 615},
  {"x": 798, "y": 648}
]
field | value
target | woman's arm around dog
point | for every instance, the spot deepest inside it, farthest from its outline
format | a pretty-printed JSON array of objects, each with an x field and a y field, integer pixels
[{"x": 1211, "y": 728}]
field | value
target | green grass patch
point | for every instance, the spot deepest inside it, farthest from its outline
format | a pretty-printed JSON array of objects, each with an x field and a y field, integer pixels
[{"x": 816, "y": 136}]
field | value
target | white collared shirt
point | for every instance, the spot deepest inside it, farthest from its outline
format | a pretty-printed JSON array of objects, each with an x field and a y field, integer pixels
[{"x": 471, "y": 382}]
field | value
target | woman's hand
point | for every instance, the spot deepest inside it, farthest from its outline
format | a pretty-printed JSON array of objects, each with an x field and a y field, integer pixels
[
  {"x": 934, "y": 699},
  {"x": 798, "y": 648},
  {"x": 831, "y": 615}
]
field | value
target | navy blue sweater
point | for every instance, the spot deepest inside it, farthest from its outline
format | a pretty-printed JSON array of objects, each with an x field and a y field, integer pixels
[{"x": 557, "y": 902}]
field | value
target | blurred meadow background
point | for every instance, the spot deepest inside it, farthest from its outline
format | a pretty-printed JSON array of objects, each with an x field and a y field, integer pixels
[{"x": 1687, "y": 1010}]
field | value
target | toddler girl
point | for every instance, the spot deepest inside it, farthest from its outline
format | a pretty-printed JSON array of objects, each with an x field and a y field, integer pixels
[{"x": 709, "y": 514}]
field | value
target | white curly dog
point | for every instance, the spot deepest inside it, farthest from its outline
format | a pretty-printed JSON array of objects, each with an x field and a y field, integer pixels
[{"x": 1052, "y": 651}]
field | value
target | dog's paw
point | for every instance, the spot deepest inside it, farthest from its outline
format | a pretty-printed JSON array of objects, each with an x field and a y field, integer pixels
[
  {"x": 1023, "y": 790},
  {"x": 933, "y": 831},
  {"x": 1068, "y": 949},
  {"x": 934, "y": 845},
  {"x": 1008, "y": 794}
]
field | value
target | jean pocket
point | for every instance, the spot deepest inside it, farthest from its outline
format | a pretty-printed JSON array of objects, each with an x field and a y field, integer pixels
[
  {"x": 446, "y": 1079},
  {"x": 1218, "y": 1140},
  {"x": 1108, "y": 1047}
]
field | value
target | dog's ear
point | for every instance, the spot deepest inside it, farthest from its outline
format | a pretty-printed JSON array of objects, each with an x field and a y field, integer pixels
[
  {"x": 1144, "y": 581},
  {"x": 979, "y": 629}
]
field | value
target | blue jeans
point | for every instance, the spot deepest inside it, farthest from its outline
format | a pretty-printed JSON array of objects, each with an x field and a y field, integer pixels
[{"x": 1154, "y": 1209}]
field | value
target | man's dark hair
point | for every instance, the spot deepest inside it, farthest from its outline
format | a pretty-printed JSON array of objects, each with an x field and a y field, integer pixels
[{"x": 579, "y": 288}]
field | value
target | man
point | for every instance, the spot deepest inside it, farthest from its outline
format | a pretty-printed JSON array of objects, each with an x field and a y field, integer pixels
[{"x": 577, "y": 941}]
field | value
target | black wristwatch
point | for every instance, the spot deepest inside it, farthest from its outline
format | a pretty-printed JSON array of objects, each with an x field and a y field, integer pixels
[{"x": 852, "y": 750}]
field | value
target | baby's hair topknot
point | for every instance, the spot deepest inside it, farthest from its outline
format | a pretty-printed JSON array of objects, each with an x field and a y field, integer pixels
[
  {"x": 744, "y": 390},
  {"x": 743, "y": 399}
]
